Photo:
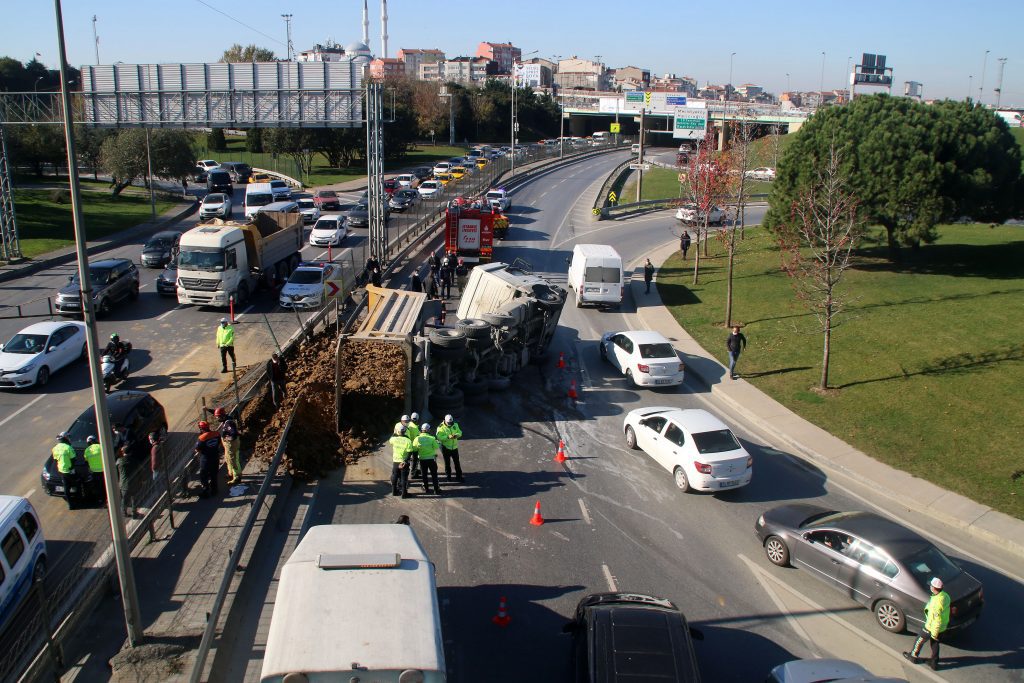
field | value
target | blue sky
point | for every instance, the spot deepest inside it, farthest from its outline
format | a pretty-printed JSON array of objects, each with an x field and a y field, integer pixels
[{"x": 941, "y": 43}]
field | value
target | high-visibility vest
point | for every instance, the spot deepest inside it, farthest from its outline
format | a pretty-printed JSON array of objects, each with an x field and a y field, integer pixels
[
  {"x": 225, "y": 335},
  {"x": 936, "y": 613},
  {"x": 426, "y": 444},
  {"x": 64, "y": 454},
  {"x": 94, "y": 456},
  {"x": 400, "y": 448},
  {"x": 449, "y": 435},
  {"x": 412, "y": 431}
]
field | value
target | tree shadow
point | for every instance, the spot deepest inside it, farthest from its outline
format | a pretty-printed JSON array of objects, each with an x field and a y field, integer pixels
[
  {"x": 961, "y": 363},
  {"x": 779, "y": 371},
  {"x": 991, "y": 261}
]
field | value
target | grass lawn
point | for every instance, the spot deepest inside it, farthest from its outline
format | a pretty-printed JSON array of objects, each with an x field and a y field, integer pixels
[
  {"x": 44, "y": 225},
  {"x": 927, "y": 367},
  {"x": 663, "y": 183}
]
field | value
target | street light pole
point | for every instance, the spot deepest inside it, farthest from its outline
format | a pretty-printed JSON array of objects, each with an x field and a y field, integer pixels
[
  {"x": 981, "y": 88},
  {"x": 821, "y": 83},
  {"x": 729, "y": 84},
  {"x": 970, "y": 86}
]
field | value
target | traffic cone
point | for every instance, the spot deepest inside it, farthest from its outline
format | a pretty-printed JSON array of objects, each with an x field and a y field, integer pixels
[
  {"x": 536, "y": 520},
  {"x": 572, "y": 390},
  {"x": 561, "y": 360},
  {"x": 501, "y": 618},
  {"x": 560, "y": 456}
]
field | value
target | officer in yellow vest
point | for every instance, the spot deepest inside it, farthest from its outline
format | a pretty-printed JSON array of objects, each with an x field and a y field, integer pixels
[
  {"x": 448, "y": 434},
  {"x": 426, "y": 450},
  {"x": 401, "y": 448},
  {"x": 64, "y": 454},
  {"x": 94, "y": 455},
  {"x": 936, "y": 619},
  {"x": 412, "y": 431},
  {"x": 226, "y": 344}
]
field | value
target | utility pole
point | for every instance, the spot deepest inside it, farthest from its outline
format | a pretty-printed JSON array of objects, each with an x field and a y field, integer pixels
[
  {"x": 999, "y": 85},
  {"x": 122, "y": 556},
  {"x": 515, "y": 121},
  {"x": 821, "y": 83},
  {"x": 981, "y": 88},
  {"x": 561, "y": 126},
  {"x": 288, "y": 32},
  {"x": 640, "y": 158},
  {"x": 96, "y": 40}
]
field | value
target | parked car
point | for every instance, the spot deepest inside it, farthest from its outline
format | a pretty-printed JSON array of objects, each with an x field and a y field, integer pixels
[
  {"x": 883, "y": 565},
  {"x": 219, "y": 180},
  {"x": 422, "y": 172},
  {"x": 240, "y": 172},
  {"x": 631, "y": 637},
  {"x": 39, "y": 350},
  {"x": 691, "y": 215},
  {"x": 22, "y": 554},
  {"x": 216, "y": 205},
  {"x": 645, "y": 358},
  {"x": 429, "y": 189},
  {"x": 403, "y": 200},
  {"x": 309, "y": 210},
  {"x": 305, "y": 286},
  {"x": 326, "y": 200},
  {"x": 695, "y": 446},
  {"x": 328, "y": 231},
  {"x": 157, "y": 250},
  {"x": 406, "y": 180},
  {"x": 763, "y": 173},
  {"x": 823, "y": 671},
  {"x": 280, "y": 189},
  {"x": 112, "y": 280},
  {"x": 136, "y": 410},
  {"x": 166, "y": 282}
]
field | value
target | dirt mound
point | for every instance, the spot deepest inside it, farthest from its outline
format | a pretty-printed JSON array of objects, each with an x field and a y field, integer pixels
[{"x": 372, "y": 393}]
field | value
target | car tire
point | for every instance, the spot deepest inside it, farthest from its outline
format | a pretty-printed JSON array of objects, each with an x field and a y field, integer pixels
[
  {"x": 603, "y": 352},
  {"x": 85, "y": 352},
  {"x": 445, "y": 402},
  {"x": 889, "y": 616},
  {"x": 631, "y": 438},
  {"x": 777, "y": 551},
  {"x": 242, "y": 294},
  {"x": 43, "y": 376},
  {"x": 682, "y": 483},
  {"x": 629, "y": 378}
]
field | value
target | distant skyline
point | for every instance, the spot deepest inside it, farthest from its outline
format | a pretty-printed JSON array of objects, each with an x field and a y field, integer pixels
[{"x": 940, "y": 43}]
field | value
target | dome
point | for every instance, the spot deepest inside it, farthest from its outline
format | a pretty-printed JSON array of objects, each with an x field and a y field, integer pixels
[{"x": 358, "y": 49}]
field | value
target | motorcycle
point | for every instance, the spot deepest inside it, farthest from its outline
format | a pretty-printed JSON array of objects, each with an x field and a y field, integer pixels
[{"x": 115, "y": 370}]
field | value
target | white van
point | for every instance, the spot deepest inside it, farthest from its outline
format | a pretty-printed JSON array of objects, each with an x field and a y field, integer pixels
[
  {"x": 356, "y": 602},
  {"x": 595, "y": 274},
  {"x": 257, "y": 196},
  {"x": 23, "y": 554}
]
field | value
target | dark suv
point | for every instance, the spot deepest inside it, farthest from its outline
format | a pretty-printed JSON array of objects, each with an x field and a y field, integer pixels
[
  {"x": 113, "y": 280},
  {"x": 240, "y": 171},
  {"x": 219, "y": 180}
]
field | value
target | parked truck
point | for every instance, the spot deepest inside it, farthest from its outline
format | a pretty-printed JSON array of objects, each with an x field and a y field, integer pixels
[{"x": 223, "y": 260}]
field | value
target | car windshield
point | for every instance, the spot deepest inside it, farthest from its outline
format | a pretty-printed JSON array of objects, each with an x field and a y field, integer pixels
[
  {"x": 327, "y": 194},
  {"x": 602, "y": 274},
  {"x": 278, "y": 184},
  {"x": 306, "y": 204},
  {"x": 406, "y": 194},
  {"x": 326, "y": 225},
  {"x": 929, "y": 563},
  {"x": 201, "y": 260},
  {"x": 495, "y": 195},
  {"x": 360, "y": 208},
  {"x": 718, "y": 441},
  {"x": 155, "y": 244},
  {"x": 661, "y": 350},
  {"x": 215, "y": 198},
  {"x": 828, "y": 518},
  {"x": 305, "y": 277},
  {"x": 28, "y": 344}
]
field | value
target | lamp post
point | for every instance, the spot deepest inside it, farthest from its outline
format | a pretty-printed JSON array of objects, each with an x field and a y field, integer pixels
[
  {"x": 846, "y": 77},
  {"x": 516, "y": 65},
  {"x": 787, "y": 83},
  {"x": 821, "y": 83},
  {"x": 970, "y": 85},
  {"x": 981, "y": 88},
  {"x": 36, "y": 85},
  {"x": 729, "y": 84}
]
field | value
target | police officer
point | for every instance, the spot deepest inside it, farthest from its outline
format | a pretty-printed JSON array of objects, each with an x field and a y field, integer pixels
[
  {"x": 936, "y": 619},
  {"x": 402, "y": 422},
  {"x": 226, "y": 344},
  {"x": 412, "y": 431},
  {"x": 401, "y": 448},
  {"x": 448, "y": 434},
  {"x": 208, "y": 449},
  {"x": 426, "y": 453},
  {"x": 64, "y": 454},
  {"x": 93, "y": 455},
  {"x": 230, "y": 439}
]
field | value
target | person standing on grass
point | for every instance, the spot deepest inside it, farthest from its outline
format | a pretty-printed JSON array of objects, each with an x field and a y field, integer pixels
[
  {"x": 648, "y": 275},
  {"x": 684, "y": 243},
  {"x": 735, "y": 343}
]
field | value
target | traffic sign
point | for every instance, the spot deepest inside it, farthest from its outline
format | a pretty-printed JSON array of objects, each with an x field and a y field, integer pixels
[
  {"x": 647, "y": 99},
  {"x": 636, "y": 96},
  {"x": 682, "y": 177},
  {"x": 612, "y": 198},
  {"x": 639, "y": 167},
  {"x": 615, "y": 128},
  {"x": 333, "y": 289}
]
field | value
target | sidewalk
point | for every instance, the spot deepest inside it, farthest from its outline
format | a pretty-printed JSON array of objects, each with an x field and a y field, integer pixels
[{"x": 815, "y": 444}]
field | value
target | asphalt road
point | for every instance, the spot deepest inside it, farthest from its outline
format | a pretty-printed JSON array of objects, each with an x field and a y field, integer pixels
[{"x": 615, "y": 520}]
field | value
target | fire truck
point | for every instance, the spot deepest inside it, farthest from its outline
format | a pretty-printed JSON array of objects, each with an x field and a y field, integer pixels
[{"x": 470, "y": 230}]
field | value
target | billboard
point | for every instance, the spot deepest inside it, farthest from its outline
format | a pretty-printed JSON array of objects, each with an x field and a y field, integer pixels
[{"x": 690, "y": 124}]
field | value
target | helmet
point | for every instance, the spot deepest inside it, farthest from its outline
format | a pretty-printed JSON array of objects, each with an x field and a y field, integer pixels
[
  {"x": 220, "y": 412},
  {"x": 937, "y": 583},
  {"x": 404, "y": 418},
  {"x": 223, "y": 321},
  {"x": 204, "y": 426},
  {"x": 415, "y": 417},
  {"x": 401, "y": 430},
  {"x": 425, "y": 427},
  {"x": 115, "y": 337},
  {"x": 448, "y": 419},
  {"x": 90, "y": 439}
]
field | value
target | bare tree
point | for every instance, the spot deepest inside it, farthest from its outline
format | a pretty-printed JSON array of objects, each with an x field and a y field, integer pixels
[
  {"x": 817, "y": 245},
  {"x": 706, "y": 184},
  {"x": 738, "y": 162}
]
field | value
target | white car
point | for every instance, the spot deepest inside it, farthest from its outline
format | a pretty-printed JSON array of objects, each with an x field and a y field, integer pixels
[
  {"x": 645, "y": 358},
  {"x": 328, "y": 231},
  {"x": 429, "y": 189},
  {"x": 441, "y": 167},
  {"x": 694, "y": 445},
  {"x": 39, "y": 350},
  {"x": 309, "y": 210},
  {"x": 305, "y": 287},
  {"x": 215, "y": 205},
  {"x": 691, "y": 215},
  {"x": 208, "y": 164},
  {"x": 816, "y": 670},
  {"x": 406, "y": 180},
  {"x": 763, "y": 173},
  {"x": 281, "y": 190},
  {"x": 498, "y": 199}
]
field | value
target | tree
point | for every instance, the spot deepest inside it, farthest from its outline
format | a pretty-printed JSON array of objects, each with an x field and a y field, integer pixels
[
  {"x": 483, "y": 108},
  {"x": 817, "y": 244},
  {"x": 430, "y": 110},
  {"x": 254, "y": 140},
  {"x": 89, "y": 146},
  {"x": 300, "y": 144},
  {"x": 171, "y": 151},
  {"x": 123, "y": 156},
  {"x": 37, "y": 145},
  {"x": 250, "y": 53},
  {"x": 738, "y": 163},
  {"x": 215, "y": 140},
  {"x": 706, "y": 184}
]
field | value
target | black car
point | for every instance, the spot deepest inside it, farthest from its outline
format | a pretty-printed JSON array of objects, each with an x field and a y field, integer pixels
[
  {"x": 240, "y": 172},
  {"x": 877, "y": 562},
  {"x": 219, "y": 180},
  {"x": 156, "y": 253},
  {"x": 112, "y": 280},
  {"x": 423, "y": 172},
  {"x": 166, "y": 282},
  {"x": 402, "y": 200},
  {"x": 359, "y": 215},
  {"x": 632, "y": 637},
  {"x": 136, "y": 410},
  {"x": 199, "y": 174}
]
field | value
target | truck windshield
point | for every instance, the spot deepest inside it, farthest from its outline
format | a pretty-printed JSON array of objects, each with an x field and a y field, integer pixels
[{"x": 201, "y": 260}]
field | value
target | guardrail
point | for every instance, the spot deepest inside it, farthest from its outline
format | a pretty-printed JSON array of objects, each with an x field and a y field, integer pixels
[
  {"x": 620, "y": 210},
  {"x": 280, "y": 176}
]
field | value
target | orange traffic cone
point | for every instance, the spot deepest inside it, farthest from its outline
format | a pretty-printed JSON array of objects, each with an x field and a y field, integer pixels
[
  {"x": 561, "y": 360},
  {"x": 536, "y": 520},
  {"x": 572, "y": 390},
  {"x": 501, "y": 618},
  {"x": 560, "y": 456}
]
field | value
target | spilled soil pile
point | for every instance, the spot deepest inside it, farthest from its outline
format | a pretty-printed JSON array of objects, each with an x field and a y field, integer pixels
[{"x": 372, "y": 394}]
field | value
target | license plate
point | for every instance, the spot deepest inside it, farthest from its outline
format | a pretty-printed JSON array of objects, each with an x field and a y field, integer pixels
[
  {"x": 663, "y": 381},
  {"x": 728, "y": 484},
  {"x": 58, "y": 488}
]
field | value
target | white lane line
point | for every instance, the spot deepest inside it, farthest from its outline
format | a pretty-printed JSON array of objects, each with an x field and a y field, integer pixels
[
  {"x": 781, "y": 606},
  {"x": 543, "y": 194},
  {"x": 174, "y": 367},
  {"x": 143, "y": 286},
  {"x": 585, "y": 512},
  {"x": 609, "y": 578},
  {"x": 22, "y": 409},
  {"x": 450, "y": 552},
  {"x": 176, "y": 308},
  {"x": 29, "y": 494},
  {"x": 247, "y": 309}
]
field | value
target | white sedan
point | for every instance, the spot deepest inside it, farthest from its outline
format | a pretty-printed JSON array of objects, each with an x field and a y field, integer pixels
[
  {"x": 39, "y": 350},
  {"x": 692, "y": 215},
  {"x": 645, "y": 358},
  {"x": 309, "y": 210},
  {"x": 429, "y": 189},
  {"x": 407, "y": 180},
  {"x": 763, "y": 173},
  {"x": 694, "y": 445}
]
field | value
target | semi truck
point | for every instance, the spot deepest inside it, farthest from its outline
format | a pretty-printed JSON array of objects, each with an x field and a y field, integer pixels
[{"x": 226, "y": 260}]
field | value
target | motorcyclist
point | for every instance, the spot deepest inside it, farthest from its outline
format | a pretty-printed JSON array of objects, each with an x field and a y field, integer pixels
[{"x": 118, "y": 350}]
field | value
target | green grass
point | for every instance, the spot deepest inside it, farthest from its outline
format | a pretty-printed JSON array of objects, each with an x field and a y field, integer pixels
[
  {"x": 44, "y": 225},
  {"x": 927, "y": 367},
  {"x": 663, "y": 183}
]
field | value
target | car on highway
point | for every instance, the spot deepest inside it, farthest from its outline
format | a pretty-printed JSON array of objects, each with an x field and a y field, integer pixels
[
  {"x": 359, "y": 215},
  {"x": 328, "y": 231},
  {"x": 166, "y": 281},
  {"x": 458, "y": 172},
  {"x": 216, "y": 205},
  {"x": 240, "y": 171},
  {"x": 157, "y": 250},
  {"x": 825, "y": 671},
  {"x": 260, "y": 177},
  {"x": 390, "y": 186},
  {"x": 883, "y": 565},
  {"x": 691, "y": 215},
  {"x": 403, "y": 200},
  {"x": 327, "y": 200},
  {"x": 31, "y": 356},
  {"x": 441, "y": 167},
  {"x": 309, "y": 210},
  {"x": 763, "y": 173},
  {"x": 219, "y": 180},
  {"x": 199, "y": 174},
  {"x": 23, "y": 556},
  {"x": 281, "y": 190},
  {"x": 481, "y": 162},
  {"x": 136, "y": 410},
  {"x": 422, "y": 172},
  {"x": 430, "y": 189},
  {"x": 646, "y": 358},
  {"x": 112, "y": 280},
  {"x": 631, "y": 637},
  {"x": 698, "y": 449},
  {"x": 208, "y": 164},
  {"x": 305, "y": 286},
  {"x": 498, "y": 199},
  {"x": 444, "y": 178},
  {"x": 406, "y": 180}
]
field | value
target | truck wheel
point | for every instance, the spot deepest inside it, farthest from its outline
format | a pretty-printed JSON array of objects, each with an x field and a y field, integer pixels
[
  {"x": 475, "y": 328},
  {"x": 452, "y": 339},
  {"x": 443, "y": 402},
  {"x": 549, "y": 295},
  {"x": 498, "y": 319}
]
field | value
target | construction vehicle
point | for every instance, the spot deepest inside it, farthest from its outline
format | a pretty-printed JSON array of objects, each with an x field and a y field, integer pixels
[{"x": 223, "y": 261}]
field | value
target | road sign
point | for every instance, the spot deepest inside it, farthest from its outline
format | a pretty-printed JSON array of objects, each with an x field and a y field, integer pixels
[
  {"x": 682, "y": 177},
  {"x": 639, "y": 167},
  {"x": 691, "y": 124},
  {"x": 615, "y": 128},
  {"x": 647, "y": 99},
  {"x": 612, "y": 198},
  {"x": 333, "y": 289},
  {"x": 635, "y": 96},
  {"x": 675, "y": 100}
]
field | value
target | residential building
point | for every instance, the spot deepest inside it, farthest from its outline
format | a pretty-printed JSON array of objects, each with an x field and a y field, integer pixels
[
  {"x": 413, "y": 58},
  {"x": 582, "y": 74},
  {"x": 544, "y": 74},
  {"x": 630, "y": 78},
  {"x": 332, "y": 52},
  {"x": 457, "y": 70},
  {"x": 713, "y": 92},
  {"x": 673, "y": 83},
  {"x": 529, "y": 76},
  {"x": 504, "y": 55},
  {"x": 749, "y": 90},
  {"x": 384, "y": 68}
]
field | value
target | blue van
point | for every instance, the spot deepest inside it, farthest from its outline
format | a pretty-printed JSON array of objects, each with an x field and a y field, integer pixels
[{"x": 22, "y": 553}]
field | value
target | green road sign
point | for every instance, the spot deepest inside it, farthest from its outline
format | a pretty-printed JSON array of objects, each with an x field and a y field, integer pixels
[
  {"x": 690, "y": 123},
  {"x": 636, "y": 96}
]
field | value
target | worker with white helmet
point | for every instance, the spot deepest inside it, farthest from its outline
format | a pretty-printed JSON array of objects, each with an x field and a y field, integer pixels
[
  {"x": 448, "y": 434},
  {"x": 426, "y": 452},
  {"x": 936, "y": 619},
  {"x": 412, "y": 431}
]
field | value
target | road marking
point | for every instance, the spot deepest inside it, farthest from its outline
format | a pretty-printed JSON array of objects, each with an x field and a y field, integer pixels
[
  {"x": 794, "y": 624},
  {"x": 585, "y": 512},
  {"x": 188, "y": 355},
  {"x": 448, "y": 540},
  {"x": 29, "y": 494},
  {"x": 22, "y": 409},
  {"x": 176, "y": 308},
  {"x": 609, "y": 578},
  {"x": 143, "y": 286},
  {"x": 247, "y": 309},
  {"x": 543, "y": 194}
]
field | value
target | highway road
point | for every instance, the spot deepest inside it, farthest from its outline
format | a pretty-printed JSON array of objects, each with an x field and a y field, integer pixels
[{"x": 615, "y": 520}]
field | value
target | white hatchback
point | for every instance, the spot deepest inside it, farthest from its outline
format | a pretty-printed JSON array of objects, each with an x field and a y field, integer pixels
[
  {"x": 646, "y": 358},
  {"x": 694, "y": 445},
  {"x": 39, "y": 350},
  {"x": 405, "y": 180},
  {"x": 430, "y": 188},
  {"x": 328, "y": 231}
]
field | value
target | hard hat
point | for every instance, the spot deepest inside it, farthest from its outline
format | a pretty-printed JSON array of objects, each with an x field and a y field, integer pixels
[
  {"x": 220, "y": 412},
  {"x": 115, "y": 336},
  {"x": 63, "y": 436},
  {"x": 401, "y": 430},
  {"x": 448, "y": 419},
  {"x": 937, "y": 583},
  {"x": 90, "y": 439},
  {"x": 204, "y": 425},
  {"x": 425, "y": 427},
  {"x": 223, "y": 320},
  {"x": 404, "y": 418},
  {"x": 415, "y": 417}
]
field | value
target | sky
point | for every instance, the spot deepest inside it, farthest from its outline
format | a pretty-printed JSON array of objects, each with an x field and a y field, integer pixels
[{"x": 940, "y": 43}]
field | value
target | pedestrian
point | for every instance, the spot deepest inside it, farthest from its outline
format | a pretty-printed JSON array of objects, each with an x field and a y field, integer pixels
[
  {"x": 375, "y": 277},
  {"x": 735, "y": 343},
  {"x": 156, "y": 455},
  {"x": 431, "y": 286},
  {"x": 936, "y": 619},
  {"x": 446, "y": 277},
  {"x": 277, "y": 369},
  {"x": 448, "y": 435},
  {"x": 426, "y": 452},
  {"x": 433, "y": 263},
  {"x": 226, "y": 344},
  {"x": 401, "y": 448},
  {"x": 415, "y": 284},
  {"x": 208, "y": 449},
  {"x": 123, "y": 461},
  {"x": 231, "y": 441},
  {"x": 412, "y": 431},
  {"x": 684, "y": 243},
  {"x": 184, "y": 188},
  {"x": 648, "y": 275}
]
